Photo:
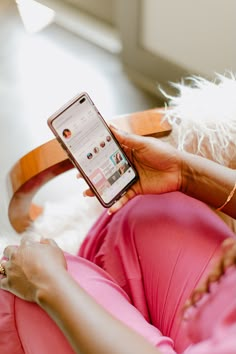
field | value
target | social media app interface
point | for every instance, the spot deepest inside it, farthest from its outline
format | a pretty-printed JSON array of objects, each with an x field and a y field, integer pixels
[{"x": 89, "y": 141}]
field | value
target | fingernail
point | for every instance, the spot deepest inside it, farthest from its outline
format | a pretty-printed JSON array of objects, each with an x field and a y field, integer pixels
[
  {"x": 112, "y": 125},
  {"x": 109, "y": 212}
]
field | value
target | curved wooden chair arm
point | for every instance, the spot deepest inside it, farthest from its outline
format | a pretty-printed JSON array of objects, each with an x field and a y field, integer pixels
[{"x": 45, "y": 162}]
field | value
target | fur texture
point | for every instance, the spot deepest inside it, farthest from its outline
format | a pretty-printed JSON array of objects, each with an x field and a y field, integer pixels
[
  {"x": 66, "y": 222},
  {"x": 203, "y": 116}
]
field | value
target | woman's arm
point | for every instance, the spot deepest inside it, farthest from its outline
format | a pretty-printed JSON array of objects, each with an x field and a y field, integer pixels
[
  {"x": 209, "y": 182},
  {"x": 88, "y": 327},
  {"x": 37, "y": 272}
]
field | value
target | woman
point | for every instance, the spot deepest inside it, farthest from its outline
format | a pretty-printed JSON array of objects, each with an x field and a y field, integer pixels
[{"x": 127, "y": 290}]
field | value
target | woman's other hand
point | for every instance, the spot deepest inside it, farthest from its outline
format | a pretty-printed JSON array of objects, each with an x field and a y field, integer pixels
[{"x": 30, "y": 267}]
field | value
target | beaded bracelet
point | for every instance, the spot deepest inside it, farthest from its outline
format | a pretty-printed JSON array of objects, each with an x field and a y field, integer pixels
[{"x": 230, "y": 196}]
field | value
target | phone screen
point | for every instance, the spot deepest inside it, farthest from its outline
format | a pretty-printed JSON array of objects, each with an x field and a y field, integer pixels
[{"x": 94, "y": 150}]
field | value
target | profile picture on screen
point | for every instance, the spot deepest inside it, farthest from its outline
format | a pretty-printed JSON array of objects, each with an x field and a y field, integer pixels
[
  {"x": 66, "y": 133},
  {"x": 89, "y": 156}
]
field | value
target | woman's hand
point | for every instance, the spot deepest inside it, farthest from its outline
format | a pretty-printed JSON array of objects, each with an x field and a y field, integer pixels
[
  {"x": 158, "y": 164},
  {"x": 31, "y": 267}
]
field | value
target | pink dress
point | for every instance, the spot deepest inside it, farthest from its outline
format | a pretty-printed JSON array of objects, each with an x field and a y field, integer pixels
[{"x": 141, "y": 264}]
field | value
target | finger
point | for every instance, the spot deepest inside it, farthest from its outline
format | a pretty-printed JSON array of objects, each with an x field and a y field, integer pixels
[
  {"x": 48, "y": 241},
  {"x": 88, "y": 193},
  {"x": 26, "y": 240},
  {"x": 4, "y": 283},
  {"x": 3, "y": 262},
  {"x": 3, "y": 271},
  {"x": 3, "y": 258},
  {"x": 228, "y": 243},
  {"x": 130, "y": 140},
  {"x": 121, "y": 202},
  {"x": 129, "y": 152},
  {"x": 79, "y": 175},
  {"x": 9, "y": 251}
]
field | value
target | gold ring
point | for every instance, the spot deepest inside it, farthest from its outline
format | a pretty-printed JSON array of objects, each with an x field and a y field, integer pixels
[{"x": 2, "y": 270}]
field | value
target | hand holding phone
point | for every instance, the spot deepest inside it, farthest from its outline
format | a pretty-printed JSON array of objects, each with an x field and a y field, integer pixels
[{"x": 93, "y": 149}]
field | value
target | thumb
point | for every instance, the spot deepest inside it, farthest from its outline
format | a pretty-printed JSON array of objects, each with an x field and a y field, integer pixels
[
  {"x": 48, "y": 241},
  {"x": 132, "y": 141}
]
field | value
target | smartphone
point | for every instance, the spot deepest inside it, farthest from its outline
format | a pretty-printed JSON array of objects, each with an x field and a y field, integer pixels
[{"x": 93, "y": 149}]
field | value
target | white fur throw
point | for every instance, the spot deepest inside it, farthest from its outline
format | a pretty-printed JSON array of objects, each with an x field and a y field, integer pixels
[
  {"x": 203, "y": 117},
  {"x": 203, "y": 112},
  {"x": 66, "y": 222}
]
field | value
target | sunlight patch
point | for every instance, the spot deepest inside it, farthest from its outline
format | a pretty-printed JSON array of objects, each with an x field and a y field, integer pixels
[{"x": 35, "y": 16}]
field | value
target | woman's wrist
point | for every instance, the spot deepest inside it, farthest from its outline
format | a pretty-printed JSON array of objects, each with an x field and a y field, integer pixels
[
  {"x": 207, "y": 181},
  {"x": 187, "y": 172},
  {"x": 188, "y": 175}
]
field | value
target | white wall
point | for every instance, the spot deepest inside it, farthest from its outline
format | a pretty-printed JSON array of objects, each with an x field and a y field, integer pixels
[{"x": 199, "y": 35}]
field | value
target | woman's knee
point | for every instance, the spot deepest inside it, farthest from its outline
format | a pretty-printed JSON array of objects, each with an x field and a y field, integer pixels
[
  {"x": 155, "y": 211},
  {"x": 161, "y": 220},
  {"x": 151, "y": 207}
]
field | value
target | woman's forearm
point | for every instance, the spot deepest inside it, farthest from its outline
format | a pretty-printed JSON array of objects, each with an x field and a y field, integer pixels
[
  {"x": 88, "y": 327},
  {"x": 209, "y": 182}
]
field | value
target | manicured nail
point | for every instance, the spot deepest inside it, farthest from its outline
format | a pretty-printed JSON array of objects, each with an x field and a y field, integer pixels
[{"x": 112, "y": 125}]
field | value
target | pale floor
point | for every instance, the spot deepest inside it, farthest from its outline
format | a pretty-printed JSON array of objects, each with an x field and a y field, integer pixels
[{"x": 38, "y": 74}]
